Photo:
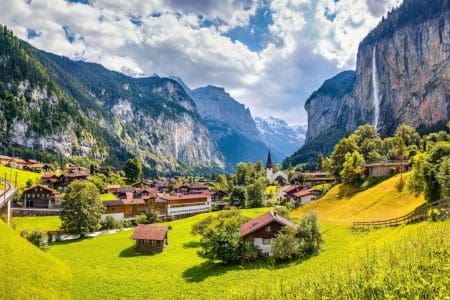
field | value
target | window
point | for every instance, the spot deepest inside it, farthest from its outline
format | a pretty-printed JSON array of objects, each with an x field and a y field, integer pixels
[
  {"x": 268, "y": 229},
  {"x": 266, "y": 241}
]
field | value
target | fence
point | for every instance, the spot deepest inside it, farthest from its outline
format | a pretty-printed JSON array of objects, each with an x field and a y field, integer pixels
[{"x": 418, "y": 215}]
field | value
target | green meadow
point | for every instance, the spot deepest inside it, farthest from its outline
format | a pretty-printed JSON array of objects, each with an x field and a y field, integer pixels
[
  {"x": 406, "y": 262},
  {"x": 21, "y": 176}
]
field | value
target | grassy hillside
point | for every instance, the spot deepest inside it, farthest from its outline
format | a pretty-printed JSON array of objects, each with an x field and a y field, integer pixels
[
  {"x": 379, "y": 263},
  {"x": 22, "y": 176},
  {"x": 388, "y": 199},
  {"x": 29, "y": 273},
  {"x": 48, "y": 223}
]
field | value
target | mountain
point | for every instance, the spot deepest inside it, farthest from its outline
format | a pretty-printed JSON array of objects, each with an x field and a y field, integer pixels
[
  {"x": 402, "y": 76},
  {"x": 51, "y": 104},
  {"x": 281, "y": 138},
  {"x": 231, "y": 124}
]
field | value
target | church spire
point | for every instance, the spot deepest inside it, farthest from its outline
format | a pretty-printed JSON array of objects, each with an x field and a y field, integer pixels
[{"x": 269, "y": 164}]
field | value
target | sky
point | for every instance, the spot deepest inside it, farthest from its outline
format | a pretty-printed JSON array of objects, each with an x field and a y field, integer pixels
[{"x": 268, "y": 54}]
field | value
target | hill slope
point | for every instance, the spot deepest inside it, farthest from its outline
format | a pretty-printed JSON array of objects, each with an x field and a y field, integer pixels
[
  {"x": 386, "y": 200},
  {"x": 29, "y": 273}
]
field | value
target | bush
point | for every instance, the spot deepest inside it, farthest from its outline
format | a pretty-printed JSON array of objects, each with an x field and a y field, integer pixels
[
  {"x": 141, "y": 219},
  {"x": 37, "y": 238},
  {"x": 111, "y": 223},
  {"x": 309, "y": 235},
  {"x": 285, "y": 245}
]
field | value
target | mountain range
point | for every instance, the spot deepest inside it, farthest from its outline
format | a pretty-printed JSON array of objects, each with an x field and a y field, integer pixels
[{"x": 53, "y": 108}]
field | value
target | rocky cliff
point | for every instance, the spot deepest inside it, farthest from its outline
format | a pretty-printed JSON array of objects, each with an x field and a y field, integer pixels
[
  {"x": 402, "y": 76},
  {"x": 231, "y": 124}
]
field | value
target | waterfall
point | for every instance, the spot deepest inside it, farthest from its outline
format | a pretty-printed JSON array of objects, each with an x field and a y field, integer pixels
[{"x": 376, "y": 99}]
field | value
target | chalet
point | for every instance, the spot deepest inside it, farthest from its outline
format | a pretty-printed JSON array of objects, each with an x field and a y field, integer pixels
[
  {"x": 188, "y": 189},
  {"x": 304, "y": 196},
  {"x": 288, "y": 191},
  {"x": 132, "y": 202},
  {"x": 381, "y": 169},
  {"x": 65, "y": 180},
  {"x": 106, "y": 170},
  {"x": 142, "y": 184},
  {"x": 16, "y": 162},
  {"x": 150, "y": 238},
  {"x": 4, "y": 160},
  {"x": 112, "y": 188},
  {"x": 40, "y": 196},
  {"x": 309, "y": 179},
  {"x": 262, "y": 230}
]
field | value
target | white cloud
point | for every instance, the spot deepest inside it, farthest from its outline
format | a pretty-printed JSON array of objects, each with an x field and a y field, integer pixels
[{"x": 306, "y": 48}]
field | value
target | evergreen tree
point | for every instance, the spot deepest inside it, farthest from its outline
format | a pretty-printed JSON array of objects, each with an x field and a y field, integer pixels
[{"x": 133, "y": 169}]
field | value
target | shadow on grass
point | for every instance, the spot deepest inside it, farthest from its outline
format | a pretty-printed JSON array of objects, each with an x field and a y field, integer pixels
[
  {"x": 191, "y": 244},
  {"x": 129, "y": 252},
  {"x": 207, "y": 269},
  {"x": 73, "y": 241}
]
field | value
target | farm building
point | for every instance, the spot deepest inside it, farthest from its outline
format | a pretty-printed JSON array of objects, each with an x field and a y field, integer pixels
[
  {"x": 381, "y": 169},
  {"x": 262, "y": 230},
  {"x": 304, "y": 196},
  {"x": 40, "y": 196},
  {"x": 150, "y": 238}
]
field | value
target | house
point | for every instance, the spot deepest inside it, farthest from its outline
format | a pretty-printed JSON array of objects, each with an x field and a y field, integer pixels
[
  {"x": 40, "y": 196},
  {"x": 185, "y": 205},
  {"x": 112, "y": 188},
  {"x": 73, "y": 174},
  {"x": 262, "y": 230},
  {"x": 304, "y": 196},
  {"x": 278, "y": 176},
  {"x": 150, "y": 238},
  {"x": 132, "y": 202},
  {"x": 309, "y": 179},
  {"x": 381, "y": 169},
  {"x": 288, "y": 191}
]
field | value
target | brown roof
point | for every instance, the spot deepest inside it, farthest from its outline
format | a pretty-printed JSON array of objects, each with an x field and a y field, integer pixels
[
  {"x": 150, "y": 232},
  {"x": 306, "y": 192},
  {"x": 182, "y": 197},
  {"x": 113, "y": 186},
  {"x": 261, "y": 221},
  {"x": 291, "y": 188},
  {"x": 41, "y": 186}
]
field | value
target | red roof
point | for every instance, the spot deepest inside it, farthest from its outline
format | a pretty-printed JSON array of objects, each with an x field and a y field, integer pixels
[
  {"x": 182, "y": 197},
  {"x": 150, "y": 232},
  {"x": 306, "y": 192},
  {"x": 261, "y": 221},
  {"x": 291, "y": 188}
]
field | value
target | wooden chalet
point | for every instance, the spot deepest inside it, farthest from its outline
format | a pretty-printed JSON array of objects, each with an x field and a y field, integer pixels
[
  {"x": 112, "y": 188},
  {"x": 62, "y": 181},
  {"x": 262, "y": 230},
  {"x": 304, "y": 196},
  {"x": 382, "y": 169},
  {"x": 40, "y": 196},
  {"x": 150, "y": 239},
  {"x": 309, "y": 179},
  {"x": 132, "y": 202}
]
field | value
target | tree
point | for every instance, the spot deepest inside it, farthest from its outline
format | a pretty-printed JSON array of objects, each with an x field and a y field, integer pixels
[
  {"x": 369, "y": 142},
  {"x": 239, "y": 196},
  {"x": 133, "y": 169},
  {"x": 352, "y": 171},
  {"x": 255, "y": 193},
  {"x": 416, "y": 182},
  {"x": 320, "y": 162},
  {"x": 221, "y": 240},
  {"x": 309, "y": 235},
  {"x": 82, "y": 208},
  {"x": 337, "y": 157},
  {"x": 443, "y": 177},
  {"x": 285, "y": 245},
  {"x": 400, "y": 149},
  {"x": 408, "y": 134},
  {"x": 431, "y": 169},
  {"x": 221, "y": 182}
]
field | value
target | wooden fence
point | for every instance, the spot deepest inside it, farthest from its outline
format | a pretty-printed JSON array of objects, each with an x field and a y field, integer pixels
[{"x": 420, "y": 214}]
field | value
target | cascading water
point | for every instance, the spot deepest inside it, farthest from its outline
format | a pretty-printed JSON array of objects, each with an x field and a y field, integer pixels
[{"x": 376, "y": 99}]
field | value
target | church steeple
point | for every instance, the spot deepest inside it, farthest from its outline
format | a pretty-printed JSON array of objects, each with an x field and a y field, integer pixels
[{"x": 269, "y": 164}]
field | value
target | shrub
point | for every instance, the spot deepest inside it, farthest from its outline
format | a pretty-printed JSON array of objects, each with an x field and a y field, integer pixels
[
  {"x": 309, "y": 235},
  {"x": 141, "y": 219},
  {"x": 37, "y": 238},
  {"x": 285, "y": 245}
]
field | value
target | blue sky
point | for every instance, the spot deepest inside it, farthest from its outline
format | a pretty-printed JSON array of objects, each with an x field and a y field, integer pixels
[{"x": 269, "y": 54}]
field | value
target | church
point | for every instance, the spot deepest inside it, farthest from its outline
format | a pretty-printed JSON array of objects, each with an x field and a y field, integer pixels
[{"x": 278, "y": 176}]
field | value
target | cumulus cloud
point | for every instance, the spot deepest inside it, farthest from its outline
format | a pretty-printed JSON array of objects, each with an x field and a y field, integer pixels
[{"x": 306, "y": 42}]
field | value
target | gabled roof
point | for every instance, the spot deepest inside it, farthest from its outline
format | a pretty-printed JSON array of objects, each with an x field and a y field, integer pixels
[
  {"x": 263, "y": 220},
  {"x": 41, "y": 186},
  {"x": 150, "y": 232},
  {"x": 182, "y": 197},
  {"x": 306, "y": 192},
  {"x": 291, "y": 188}
]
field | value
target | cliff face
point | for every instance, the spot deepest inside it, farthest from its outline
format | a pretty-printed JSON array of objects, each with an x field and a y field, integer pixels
[
  {"x": 405, "y": 61},
  {"x": 231, "y": 124},
  {"x": 413, "y": 67}
]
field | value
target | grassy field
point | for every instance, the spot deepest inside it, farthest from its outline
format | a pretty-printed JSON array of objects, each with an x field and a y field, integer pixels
[
  {"x": 107, "y": 197},
  {"x": 404, "y": 262},
  {"x": 22, "y": 176},
  {"x": 388, "y": 199},
  {"x": 28, "y": 273},
  {"x": 48, "y": 223}
]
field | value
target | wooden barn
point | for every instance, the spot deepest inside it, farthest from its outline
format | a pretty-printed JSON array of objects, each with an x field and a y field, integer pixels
[{"x": 150, "y": 238}]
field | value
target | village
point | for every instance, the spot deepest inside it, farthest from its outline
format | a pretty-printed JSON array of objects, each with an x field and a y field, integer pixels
[{"x": 167, "y": 199}]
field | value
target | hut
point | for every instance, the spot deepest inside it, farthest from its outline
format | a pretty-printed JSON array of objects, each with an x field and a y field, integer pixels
[{"x": 150, "y": 238}]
